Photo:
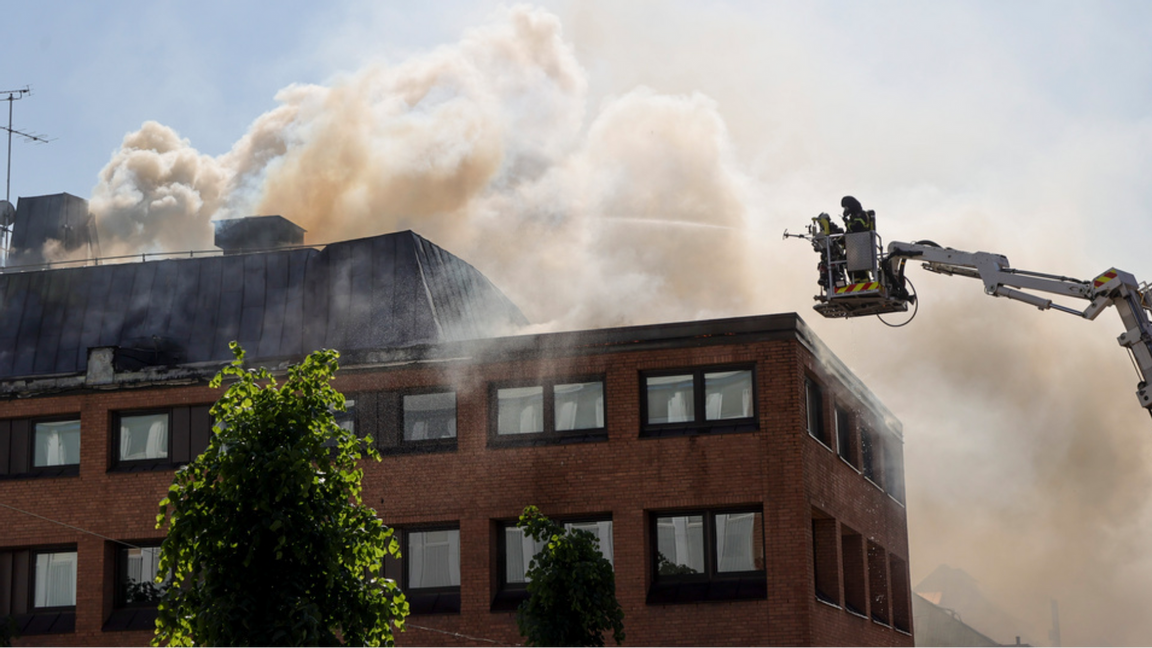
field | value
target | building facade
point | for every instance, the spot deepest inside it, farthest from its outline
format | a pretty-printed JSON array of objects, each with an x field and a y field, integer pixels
[{"x": 745, "y": 485}]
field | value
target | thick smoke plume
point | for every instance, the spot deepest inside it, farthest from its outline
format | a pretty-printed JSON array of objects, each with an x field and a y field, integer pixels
[{"x": 1027, "y": 455}]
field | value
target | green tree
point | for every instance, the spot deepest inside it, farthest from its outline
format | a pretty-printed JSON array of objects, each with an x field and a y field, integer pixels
[
  {"x": 269, "y": 542},
  {"x": 571, "y": 588}
]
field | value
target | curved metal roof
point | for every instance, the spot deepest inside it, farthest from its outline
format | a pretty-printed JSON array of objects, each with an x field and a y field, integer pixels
[{"x": 393, "y": 290}]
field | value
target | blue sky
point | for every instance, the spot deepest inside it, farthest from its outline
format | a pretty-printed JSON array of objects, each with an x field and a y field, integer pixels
[
  {"x": 208, "y": 69},
  {"x": 657, "y": 133}
]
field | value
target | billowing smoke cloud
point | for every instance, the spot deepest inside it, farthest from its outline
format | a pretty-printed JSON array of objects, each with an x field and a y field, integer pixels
[{"x": 1027, "y": 455}]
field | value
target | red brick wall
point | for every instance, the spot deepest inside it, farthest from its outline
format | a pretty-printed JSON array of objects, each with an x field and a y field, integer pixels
[{"x": 778, "y": 468}]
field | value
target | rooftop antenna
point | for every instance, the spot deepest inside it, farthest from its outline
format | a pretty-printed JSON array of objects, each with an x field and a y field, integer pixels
[{"x": 7, "y": 211}]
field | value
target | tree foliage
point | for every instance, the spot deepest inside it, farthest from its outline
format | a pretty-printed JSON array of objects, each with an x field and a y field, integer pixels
[
  {"x": 269, "y": 542},
  {"x": 571, "y": 588}
]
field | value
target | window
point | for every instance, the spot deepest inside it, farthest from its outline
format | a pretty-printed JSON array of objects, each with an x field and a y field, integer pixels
[
  {"x": 429, "y": 570},
  {"x": 699, "y": 400},
  {"x": 901, "y": 600},
  {"x": 549, "y": 412},
  {"x": 40, "y": 448},
  {"x": 347, "y": 418},
  {"x": 56, "y": 443},
  {"x": 814, "y": 400},
  {"x": 143, "y": 436},
  {"x": 422, "y": 420},
  {"x": 136, "y": 572},
  {"x": 707, "y": 555},
  {"x": 38, "y": 589},
  {"x": 137, "y": 592},
  {"x": 870, "y": 455},
  {"x": 159, "y": 439},
  {"x": 55, "y": 584},
  {"x": 518, "y": 549},
  {"x": 845, "y": 443},
  {"x": 894, "y": 467},
  {"x": 878, "y": 582},
  {"x": 429, "y": 416},
  {"x": 852, "y": 559},
  {"x": 824, "y": 558}
]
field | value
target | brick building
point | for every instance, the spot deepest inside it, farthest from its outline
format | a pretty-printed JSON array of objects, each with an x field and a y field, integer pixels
[{"x": 745, "y": 485}]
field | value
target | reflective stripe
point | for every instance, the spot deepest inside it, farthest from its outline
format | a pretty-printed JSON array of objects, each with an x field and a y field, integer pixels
[
  {"x": 858, "y": 287},
  {"x": 1104, "y": 278}
]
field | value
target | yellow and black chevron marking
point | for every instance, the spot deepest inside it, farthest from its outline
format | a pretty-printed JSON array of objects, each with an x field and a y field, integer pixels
[{"x": 858, "y": 287}]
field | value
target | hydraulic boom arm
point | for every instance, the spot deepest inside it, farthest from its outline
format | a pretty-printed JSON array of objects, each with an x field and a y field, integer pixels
[
  {"x": 1112, "y": 288},
  {"x": 857, "y": 277}
]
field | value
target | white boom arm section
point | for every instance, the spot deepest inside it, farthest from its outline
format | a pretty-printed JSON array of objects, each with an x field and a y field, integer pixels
[{"x": 1112, "y": 288}]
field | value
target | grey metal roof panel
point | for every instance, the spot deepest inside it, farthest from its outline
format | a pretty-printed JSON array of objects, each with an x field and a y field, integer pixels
[
  {"x": 28, "y": 335},
  {"x": 464, "y": 298},
  {"x": 386, "y": 291},
  {"x": 62, "y": 216}
]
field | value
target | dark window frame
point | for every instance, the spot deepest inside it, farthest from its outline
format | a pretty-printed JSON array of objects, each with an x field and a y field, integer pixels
[
  {"x": 712, "y": 585},
  {"x": 872, "y": 456},
  {"x": 156, "y": 462},
  {"x": 33, "y": 554},
  {"x": 847, "y": 447},
  {"x": 427, "y": 600},
  {"x": 549, "y": 435},
  {"x": 699, "y": 423},
  {"x": 892, "y": 466},
  {"x": 20, "y": 585},
  {"x": 121, "y": 575},
  {"x": 127, "y": 616},
  {"x": 879, "y": 599},
  {"x": 508, "y": 596},
  {"x": 58, "y": 470},
  {"x": 854, "y": 571},
  {"x": 899, "y": 593},
  {"x": 819, "y": 429},
  {"x": 825, "y": 558},
  {"x": 190, "y": 429},
  {"x": 380, "y": 414}
]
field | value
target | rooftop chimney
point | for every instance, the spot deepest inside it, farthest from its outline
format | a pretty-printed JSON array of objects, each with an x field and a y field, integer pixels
[{"x": 257, "y": 233}]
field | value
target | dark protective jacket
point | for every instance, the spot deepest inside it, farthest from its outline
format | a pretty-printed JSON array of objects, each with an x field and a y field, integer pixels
[{"x": 855, "y": 218}]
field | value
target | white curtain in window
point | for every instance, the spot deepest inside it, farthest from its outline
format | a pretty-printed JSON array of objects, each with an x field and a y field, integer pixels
[
  {"x": 677, "y": 408},
  {"x": 157, "y": 446},
  {"x": 714, "y": 406},
  {"x": 434, "y": 558},
  {"x": 520, "y": 410},
  {"x": 519, "y": 551},
  {"x": 566, "y": 416},
  {"x": 55, "y": 580},
  {"x": 531, "y": 419},
  {"x": 57, "y": 443},
  {"x": 734, "y": 536},
  {"x": 681, "y": 540},
  {"x": 600, "y": 411},
  {"x": 746, "y": 396},
  {"x": 135, "y": 566},
  {"x": 144, "y": 436},
  {"x": 55, "y": 449}
]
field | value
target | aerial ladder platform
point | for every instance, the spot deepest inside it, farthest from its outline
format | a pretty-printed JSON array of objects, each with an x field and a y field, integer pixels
[{"x": 858, "y": 277}]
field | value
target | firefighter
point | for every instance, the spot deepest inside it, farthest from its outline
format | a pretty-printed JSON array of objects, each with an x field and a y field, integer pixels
[
  {"x": 831, "y": 251},
  {"x": 855, "y": 218}
]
